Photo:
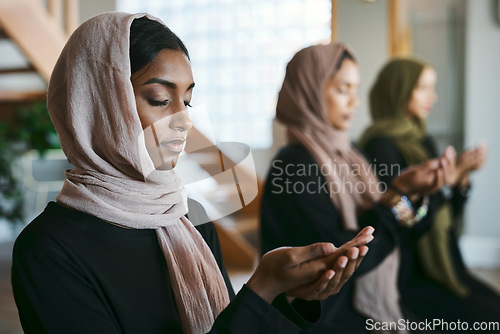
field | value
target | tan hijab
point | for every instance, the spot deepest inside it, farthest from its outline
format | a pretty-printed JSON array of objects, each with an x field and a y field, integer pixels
[
  {"x": 302, "y": 108},
  {"x": 92, "y": 105}
]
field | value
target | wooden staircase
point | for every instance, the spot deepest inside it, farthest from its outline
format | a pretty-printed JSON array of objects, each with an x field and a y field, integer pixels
[
  {"x": 37, "y": 32},
  {"x": 237, "y": 230}
]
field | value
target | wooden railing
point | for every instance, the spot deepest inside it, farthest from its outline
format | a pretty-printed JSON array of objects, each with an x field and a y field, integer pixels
[
  {"x": 38, "y": 32},
  {"x": 70, "y": 19}
]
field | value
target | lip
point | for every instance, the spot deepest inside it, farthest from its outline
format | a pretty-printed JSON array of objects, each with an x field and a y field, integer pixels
[
  {"x": 349, "y": 116},
  {"x": 174, "y": 145}
]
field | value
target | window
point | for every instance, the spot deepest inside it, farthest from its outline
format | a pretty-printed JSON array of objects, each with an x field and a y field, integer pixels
[{"x": 239, "y": 50}]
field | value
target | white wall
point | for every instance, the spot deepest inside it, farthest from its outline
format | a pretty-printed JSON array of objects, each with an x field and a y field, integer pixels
[
  {"x": 90, "y": 8},
  {"x": 481, "y": 243},
  {"x": 362, "y": 26}
]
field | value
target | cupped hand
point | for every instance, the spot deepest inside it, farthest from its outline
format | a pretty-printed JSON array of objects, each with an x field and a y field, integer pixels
[
  {"x": 427, "y": 177},
  {"x": 332, "y": 280},
  {"x": 472, "y": 159},
  {"x": 307, "y": 272}
]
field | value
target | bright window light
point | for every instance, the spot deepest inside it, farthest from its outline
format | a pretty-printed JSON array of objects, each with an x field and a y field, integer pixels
[{"x": 239, "y": 50}]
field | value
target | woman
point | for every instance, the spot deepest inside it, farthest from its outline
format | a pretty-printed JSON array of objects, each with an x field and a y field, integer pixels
[
  {"x": 117, "y": 253},
  {"x": 320, "y": 188},
  {"x": 434, "y": 282}
]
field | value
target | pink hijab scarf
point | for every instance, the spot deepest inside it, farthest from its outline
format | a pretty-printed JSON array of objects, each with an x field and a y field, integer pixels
[
  {"x": 302, "y": 108},
  {"x": 92, "y": 105}
]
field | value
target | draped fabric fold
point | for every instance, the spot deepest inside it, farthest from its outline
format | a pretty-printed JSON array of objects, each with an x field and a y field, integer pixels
[
  {"x": 302, "y": 108},
  {"x": 92, "y": 105}
]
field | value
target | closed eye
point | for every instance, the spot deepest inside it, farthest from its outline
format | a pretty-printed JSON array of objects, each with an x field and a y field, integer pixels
[{"x": 157, "y": 103}]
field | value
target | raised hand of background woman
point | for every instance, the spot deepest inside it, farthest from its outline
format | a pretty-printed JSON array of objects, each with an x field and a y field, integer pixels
[
  {"x": 457, "y": 169},
  {"x": 472, "y": 159},
  {"x": 427, "y": 177}
]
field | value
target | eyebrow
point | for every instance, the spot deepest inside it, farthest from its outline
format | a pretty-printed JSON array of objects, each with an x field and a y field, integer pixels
[
  {"x": 347, "y": 83},
  {"x": 165, "y": 83}
]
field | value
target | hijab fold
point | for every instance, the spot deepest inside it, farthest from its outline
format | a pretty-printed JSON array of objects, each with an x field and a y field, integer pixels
[
  {"x": 92, "y": 105},
  {"x": 302, "y": 108}
]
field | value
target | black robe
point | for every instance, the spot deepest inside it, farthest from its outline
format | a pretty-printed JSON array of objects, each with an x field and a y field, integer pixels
[
  {"x": 297, "y": 211},
  {"x": 74, "y": 273}
]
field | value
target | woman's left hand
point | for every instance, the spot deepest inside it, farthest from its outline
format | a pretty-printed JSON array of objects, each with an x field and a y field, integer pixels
[
  {"x": 307, "y": 271},
  {"x": 458, "y": 169}
]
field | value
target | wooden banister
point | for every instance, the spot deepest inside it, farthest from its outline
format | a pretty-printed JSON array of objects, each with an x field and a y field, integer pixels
[
  {"x": 72, "y": 15},
  {"x": 21, "y": 96},
  {"x": 35, "y": 33},
  {"x": 54, "y": 7}
]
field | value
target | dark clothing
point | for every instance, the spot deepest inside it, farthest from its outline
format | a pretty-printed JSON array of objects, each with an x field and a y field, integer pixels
[
  {"x": 423, "y": 296},
  {"x": 74, "y": 273},
  {"x": 297, "y": 211}
]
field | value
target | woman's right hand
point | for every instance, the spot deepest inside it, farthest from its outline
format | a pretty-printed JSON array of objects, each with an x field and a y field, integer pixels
[{"x": 310, "y": 272}]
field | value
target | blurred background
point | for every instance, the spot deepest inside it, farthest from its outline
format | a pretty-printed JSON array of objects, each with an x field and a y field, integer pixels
[{"x": 239, "y": 50}]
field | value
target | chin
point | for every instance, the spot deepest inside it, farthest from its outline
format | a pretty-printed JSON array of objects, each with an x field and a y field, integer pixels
[
  {"x": 341, "y": 128},
  {"x": 423, "y": 115},
  {"x": 345, "y": 127},
  {"x": 166, "y": 164}
]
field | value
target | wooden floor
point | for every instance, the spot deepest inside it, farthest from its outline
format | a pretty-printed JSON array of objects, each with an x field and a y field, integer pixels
[{"x": 9, "y": 322}]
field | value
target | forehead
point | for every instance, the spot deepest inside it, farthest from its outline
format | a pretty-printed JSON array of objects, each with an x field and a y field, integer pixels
[
  {"x": 428, "y": 74},
  {"x": 348, "y": 72},
  {"x": 168, "y": 64}
]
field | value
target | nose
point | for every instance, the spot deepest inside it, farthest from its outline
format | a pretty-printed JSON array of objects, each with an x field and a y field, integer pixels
[
  {"x": 354, "y": 101},
  {"x": 180, "y": 121},
  {"x": 434, "y": 97}
]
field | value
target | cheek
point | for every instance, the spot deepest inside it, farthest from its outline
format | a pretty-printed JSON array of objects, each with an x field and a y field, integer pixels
[
  {"x": 331, "y": 102},
  {"x": 414, "y": 102},
  {"x": 337, "y": 105},
  {"x": 150, "y": 138},
  {"x": 147, "y": 114},
  {"x": 145, "y": 122},
  {"x": 419, "y": 100}
]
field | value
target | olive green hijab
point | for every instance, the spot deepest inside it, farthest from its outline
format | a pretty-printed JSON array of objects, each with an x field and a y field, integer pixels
[{"x": 389, "y": 99}]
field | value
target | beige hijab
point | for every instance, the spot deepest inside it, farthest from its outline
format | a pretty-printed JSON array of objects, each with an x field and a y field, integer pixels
[
  {"x": 302, "y": 108},
  {"x": 92, "y": 105}
]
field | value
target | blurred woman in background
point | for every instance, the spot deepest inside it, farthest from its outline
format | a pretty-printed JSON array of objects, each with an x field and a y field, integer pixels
[{"x": 434, "y": 282}]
